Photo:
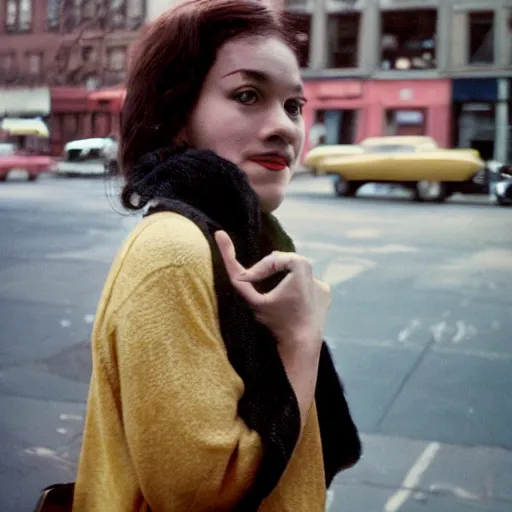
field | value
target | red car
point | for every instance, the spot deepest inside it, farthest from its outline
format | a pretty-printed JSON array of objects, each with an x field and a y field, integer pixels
[{"x": 34, "y": 165}]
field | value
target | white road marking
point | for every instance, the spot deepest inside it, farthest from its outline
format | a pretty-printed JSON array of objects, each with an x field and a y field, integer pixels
[
  {"x": 340, "y": 271},
  {"x": 461, "y": 332},
  {"x": 65, "y": 323},
  {"x": 405, "y": 333},
  {"x": 437, "y": 331},
  {"x": 40, "y": 451},
  {"x": 457, "y": 492},
  {"x": 363, "y": 233},
  {"x": 412, "y": 478},
  {"x": 352, "y": 249},
  {"x": 89, "y": 319},
  {"x": 71, "y": 417},
  {"x": 62, "y": 431}
]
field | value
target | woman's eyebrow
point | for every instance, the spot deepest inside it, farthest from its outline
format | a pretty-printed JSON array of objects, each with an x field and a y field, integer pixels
[{"x": 261, "y": 77}]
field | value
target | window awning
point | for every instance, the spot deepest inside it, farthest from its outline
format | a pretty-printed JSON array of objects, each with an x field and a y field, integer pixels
[
  {"x": 108, "y": 94},
  {"x": 17, "y": 126},
  {"x": 24, "y": 101}
]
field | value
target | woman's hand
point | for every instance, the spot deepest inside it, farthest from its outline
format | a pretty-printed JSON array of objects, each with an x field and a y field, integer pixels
[
  {"x": 296, "y": 309},
  {"x": 295, "y": 312}
]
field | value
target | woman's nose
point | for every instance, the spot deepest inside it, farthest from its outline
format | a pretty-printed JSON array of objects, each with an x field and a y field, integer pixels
[{"x": 280, "y": 124}]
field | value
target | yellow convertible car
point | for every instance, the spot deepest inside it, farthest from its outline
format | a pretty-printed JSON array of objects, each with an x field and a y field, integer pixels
[{"x": 417, "y": 163}]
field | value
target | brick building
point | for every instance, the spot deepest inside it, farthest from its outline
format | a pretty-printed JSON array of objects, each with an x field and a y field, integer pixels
[{"x": 54, "y": 52}]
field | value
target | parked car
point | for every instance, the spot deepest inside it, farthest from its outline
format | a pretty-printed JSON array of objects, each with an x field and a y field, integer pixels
[
  {"x": 110, "y": 160},
  {"x": 416, "y": 163},
  {"x": 502, "y": 184},
  {"x": 13, "y": 159},
  {"x": 85, "y": 157}
]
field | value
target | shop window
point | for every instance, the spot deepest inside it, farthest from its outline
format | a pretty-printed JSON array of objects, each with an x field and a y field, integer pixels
[
  {"x": 408, "y": 39},
  {"x": 343, "y": 35},
  {"x": 18, "y": 15},
  {"x": 334, "y": 126},
  {"x": 405, "y": 122},
  {"x": 481, "y": 37}
]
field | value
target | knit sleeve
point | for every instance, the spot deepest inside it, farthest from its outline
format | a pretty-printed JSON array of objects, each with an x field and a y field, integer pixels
[{"x": 179, "y": 394}]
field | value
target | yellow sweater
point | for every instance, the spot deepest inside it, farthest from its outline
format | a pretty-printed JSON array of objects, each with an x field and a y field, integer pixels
[{"x": 162, "y": 429}]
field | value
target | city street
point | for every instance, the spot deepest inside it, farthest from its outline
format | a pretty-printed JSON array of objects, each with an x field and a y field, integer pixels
[{"x": 420, "y": 327}]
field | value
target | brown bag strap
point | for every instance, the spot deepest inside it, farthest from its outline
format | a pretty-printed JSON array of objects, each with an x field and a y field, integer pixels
[{"x": 56, "y": 498}]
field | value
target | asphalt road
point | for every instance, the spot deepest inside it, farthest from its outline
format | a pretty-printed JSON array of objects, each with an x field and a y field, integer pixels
[{"x": 420, "y": 327}]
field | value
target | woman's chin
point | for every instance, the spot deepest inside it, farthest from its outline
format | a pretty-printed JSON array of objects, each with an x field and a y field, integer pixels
[{"x": 270, "y": 202}]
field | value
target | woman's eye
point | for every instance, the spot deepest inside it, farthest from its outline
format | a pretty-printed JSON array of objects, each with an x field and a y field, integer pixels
[
  {"x": 247, "y": 97},
  {"x": 294, "y": 107}
]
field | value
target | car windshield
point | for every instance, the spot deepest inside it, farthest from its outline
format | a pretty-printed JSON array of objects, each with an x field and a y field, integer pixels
[{"x": 390, "y": 148}]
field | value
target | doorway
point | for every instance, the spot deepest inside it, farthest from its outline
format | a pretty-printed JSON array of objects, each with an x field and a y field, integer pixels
[{"x": 340, "y": 126}]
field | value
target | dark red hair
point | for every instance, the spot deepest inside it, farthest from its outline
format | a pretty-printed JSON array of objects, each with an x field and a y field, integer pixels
[{"x": 170, "y": 64}]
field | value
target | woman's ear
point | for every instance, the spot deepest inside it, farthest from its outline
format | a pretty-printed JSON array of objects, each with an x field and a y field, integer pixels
[{"x": 182, "y": 138}]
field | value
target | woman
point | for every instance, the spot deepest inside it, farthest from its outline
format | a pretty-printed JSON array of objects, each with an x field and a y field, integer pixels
[{"x": 207, "y": 346}]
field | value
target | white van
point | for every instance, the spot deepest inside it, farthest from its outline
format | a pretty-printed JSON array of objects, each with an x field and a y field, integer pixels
[{"x": 86, "y": 157}]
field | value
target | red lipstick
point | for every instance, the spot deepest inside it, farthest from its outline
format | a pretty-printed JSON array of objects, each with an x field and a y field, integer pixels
[{"x": 271, "y": 163}]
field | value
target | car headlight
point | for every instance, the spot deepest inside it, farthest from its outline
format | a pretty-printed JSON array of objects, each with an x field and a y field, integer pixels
[{"x": 500, "y": 188}]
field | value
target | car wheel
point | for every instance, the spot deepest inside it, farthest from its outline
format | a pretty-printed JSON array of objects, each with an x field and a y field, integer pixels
[
  {"x": 344, "y": 188},
  {"x": 500, "y": 201},
  {"x": 341, "y": 187},
  {"x": 432, "y": 191},
  {"x": 3, "y": 177},
  {"x": 32, "y": 177}
]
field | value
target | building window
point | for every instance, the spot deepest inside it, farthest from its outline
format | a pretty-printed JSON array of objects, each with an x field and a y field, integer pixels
[
  {"x": 34, "y": 61},
  {"x": 481, "y": 37},
  {"x": 118, "y": 13},
  {"x": 116, "y": 58},
  {"x": 408, "y": 39},
  {"x": 405, "y": 122},
  {"x": 53, "y": 14},
  {"x": 88, "y": 10},
  {"x": 18, "y": 15},
  {"x": 6, "y": 62},
  {"x": 343, "y": 30},
  {"x": 301, "y": 23},
  {"x": 135, "y": 12}
]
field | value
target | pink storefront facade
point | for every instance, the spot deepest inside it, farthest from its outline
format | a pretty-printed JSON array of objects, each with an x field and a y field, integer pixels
[{"x": 352, "y": 110}]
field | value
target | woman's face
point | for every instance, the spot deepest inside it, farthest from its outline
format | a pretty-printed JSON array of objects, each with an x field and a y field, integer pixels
[{"x": 249, "y": 111}]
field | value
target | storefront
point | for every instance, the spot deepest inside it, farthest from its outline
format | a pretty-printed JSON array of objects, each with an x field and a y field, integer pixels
[
  {"x": 481, "y": 116},
  {"x": 351, "y": 110},
  {"x": 70, "y": 118},
  {"x": 105, "y": 107},
  {"x": 334, "y": 110},
  {"x": 77, "y": 113}
]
